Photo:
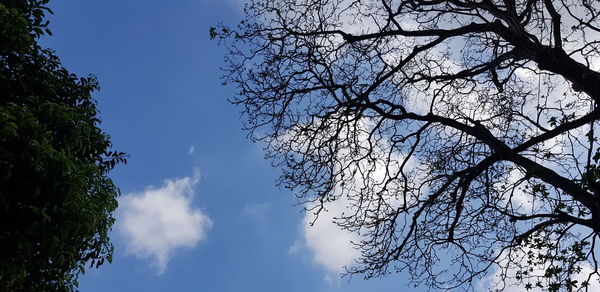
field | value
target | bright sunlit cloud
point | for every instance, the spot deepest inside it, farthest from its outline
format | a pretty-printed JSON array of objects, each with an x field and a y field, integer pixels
[
  {"x": 331, "y": 246},
  {"x": 159, "y": 221}
]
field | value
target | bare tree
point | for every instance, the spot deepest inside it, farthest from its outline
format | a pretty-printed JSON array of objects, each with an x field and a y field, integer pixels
[{"x": 460, "y": 133}]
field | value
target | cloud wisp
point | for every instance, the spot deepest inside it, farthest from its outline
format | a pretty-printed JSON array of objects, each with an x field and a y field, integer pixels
[{"x": 159, "y": 221}]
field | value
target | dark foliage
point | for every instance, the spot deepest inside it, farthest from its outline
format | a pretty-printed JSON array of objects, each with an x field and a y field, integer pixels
[{"x": 56, "y": 199}]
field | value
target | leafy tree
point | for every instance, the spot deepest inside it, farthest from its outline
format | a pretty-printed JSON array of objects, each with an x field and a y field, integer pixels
[
  {"x": 56, "y": 199},
  {"x": 461, "y": 134}
]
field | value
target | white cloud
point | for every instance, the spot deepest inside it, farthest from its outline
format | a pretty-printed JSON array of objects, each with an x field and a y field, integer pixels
[
  {"x": 191, "y": 150},
  {"x": 159, "y": 221},
  {"x": 330, "y": 245}
]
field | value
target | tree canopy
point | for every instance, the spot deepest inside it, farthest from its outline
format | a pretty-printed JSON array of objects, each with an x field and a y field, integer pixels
[
  {"x": 461, "y": 134},
  {"x": 56, "y": 199}
]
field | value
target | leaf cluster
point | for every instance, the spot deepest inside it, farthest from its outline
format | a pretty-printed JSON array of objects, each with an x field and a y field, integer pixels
[{"x": 56, "y": 198}]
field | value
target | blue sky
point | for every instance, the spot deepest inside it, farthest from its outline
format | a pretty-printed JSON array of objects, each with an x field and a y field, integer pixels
[{"x": 200, "y": 210}]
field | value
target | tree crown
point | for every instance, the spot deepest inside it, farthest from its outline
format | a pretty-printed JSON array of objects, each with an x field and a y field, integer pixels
[
  {"x": 56, "y": 198},
  {"x": 460, "y": 133}
]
